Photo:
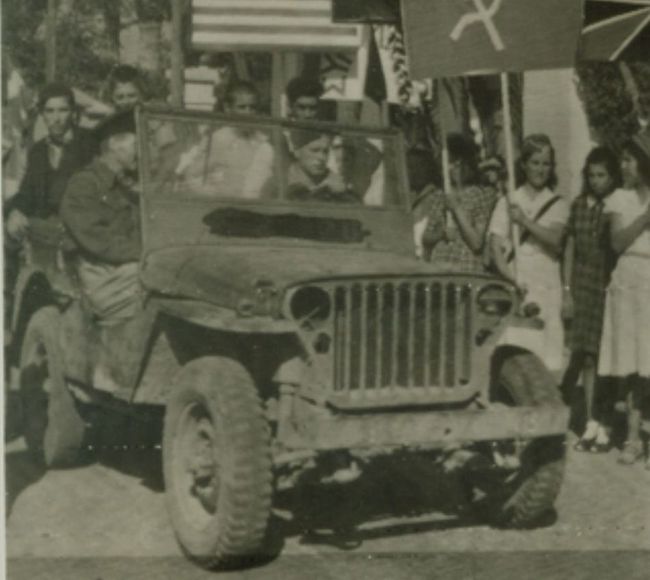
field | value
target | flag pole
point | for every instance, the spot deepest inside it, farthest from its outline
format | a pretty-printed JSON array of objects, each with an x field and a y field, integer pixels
[
  {"x": 177, "y": 80},
  {"x": 277, "y": 87},
  {"x": 50, "y": 41},
  {"x": 510, "y": 161},
  {"x": 446, "y": 175}
]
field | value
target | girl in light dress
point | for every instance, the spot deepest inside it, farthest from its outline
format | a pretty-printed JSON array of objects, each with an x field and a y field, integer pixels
[
  {"x": 587, "y": 267},
  {"x": 541, "y": 216},
  {"x": 625, "y": 343}
]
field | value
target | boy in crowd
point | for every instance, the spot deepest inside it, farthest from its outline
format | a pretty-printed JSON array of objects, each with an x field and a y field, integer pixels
[{"x": 303, "y": 96}]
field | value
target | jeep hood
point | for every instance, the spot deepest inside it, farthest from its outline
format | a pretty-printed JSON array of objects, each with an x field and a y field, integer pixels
[{"x": 226, "y": 275}]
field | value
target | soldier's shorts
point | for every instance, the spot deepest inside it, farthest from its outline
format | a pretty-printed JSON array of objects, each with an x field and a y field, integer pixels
[{"x": 111, "y": 292}]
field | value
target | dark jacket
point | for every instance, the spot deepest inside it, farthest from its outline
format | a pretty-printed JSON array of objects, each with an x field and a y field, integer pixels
[
  {"x": 102, "y": 215},
  {"x": 42, "y": 187}
]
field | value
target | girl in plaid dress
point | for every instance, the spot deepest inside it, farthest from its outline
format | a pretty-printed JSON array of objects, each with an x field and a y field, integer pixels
[{"x": 587, "y": 267}]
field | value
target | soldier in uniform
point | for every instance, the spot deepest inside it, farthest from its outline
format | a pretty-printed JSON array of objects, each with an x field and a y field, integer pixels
[{"x": 100, "y": 211}]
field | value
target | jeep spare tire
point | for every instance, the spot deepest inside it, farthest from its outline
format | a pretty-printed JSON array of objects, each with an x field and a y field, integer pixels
[
  {"x": 530, "y": 493},
  {"x": 53, "y": 428},
  {"x": 217, "y": 463}
]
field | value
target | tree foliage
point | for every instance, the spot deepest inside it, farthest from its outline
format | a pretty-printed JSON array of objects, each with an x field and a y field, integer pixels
[
  {"x": 153, "y": 10},
  {"x": 86, "y": 50},
  {"x": 608, "y": 102},
  {"x": 87, "y": 40},
  {"x": 20, "y": 23}
]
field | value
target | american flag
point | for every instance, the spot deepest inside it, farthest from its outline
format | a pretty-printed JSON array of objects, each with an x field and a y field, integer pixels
[{"x": 269, "y": 25}]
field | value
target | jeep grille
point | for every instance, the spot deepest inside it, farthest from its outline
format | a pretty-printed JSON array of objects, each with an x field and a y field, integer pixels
[{"x": 397, "y": 334}]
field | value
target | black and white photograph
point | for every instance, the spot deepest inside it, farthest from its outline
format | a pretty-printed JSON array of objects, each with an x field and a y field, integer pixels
[{"x": 325, "y": 289}]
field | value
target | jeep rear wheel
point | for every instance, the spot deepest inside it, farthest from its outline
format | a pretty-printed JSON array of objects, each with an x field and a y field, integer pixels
[
  {"x": 217, "y": 463},
  {"x": 530, "y": 493},
  {"x": 53, "y": 429}
]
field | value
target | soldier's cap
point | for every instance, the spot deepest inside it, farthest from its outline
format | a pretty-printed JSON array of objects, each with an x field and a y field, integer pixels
[
  {"x": 117, "y": 124},
  {"x": 642, "y": 141},
  {"x": 302, "y": 137}
]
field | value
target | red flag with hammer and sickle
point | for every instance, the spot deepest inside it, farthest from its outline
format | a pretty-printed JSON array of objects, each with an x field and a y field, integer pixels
[{"x": 457, "y": 37}]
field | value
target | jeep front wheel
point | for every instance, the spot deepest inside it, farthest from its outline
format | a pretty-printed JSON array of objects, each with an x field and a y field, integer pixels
[
  {"x": 217, "y": 463},
  {"x": 53, "y": 429},
  {"x": 530, "y": 493}
]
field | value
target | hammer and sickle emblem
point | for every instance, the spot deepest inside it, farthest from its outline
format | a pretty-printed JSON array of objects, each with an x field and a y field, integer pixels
[{"x": 484, "y": 15}]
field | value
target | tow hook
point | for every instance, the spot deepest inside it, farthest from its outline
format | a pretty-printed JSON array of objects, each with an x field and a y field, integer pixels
[
  {"x": 339, "y": 469},
  {"x": 507, "y": 459},
  {"x": 344, "y": 475},
  {"x": 455, "y": 459}
]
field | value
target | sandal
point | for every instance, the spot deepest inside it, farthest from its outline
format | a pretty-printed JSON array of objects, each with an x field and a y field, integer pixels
[
  {"x": 584, "y": 445},
  {"x": 588, "y": 438},
  {"x": 602, "y": 443},
  {"x": 632, "y": 452}
]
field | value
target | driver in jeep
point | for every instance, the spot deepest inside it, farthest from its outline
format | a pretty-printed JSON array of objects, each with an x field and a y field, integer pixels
[{"x": 309, "y": 177}]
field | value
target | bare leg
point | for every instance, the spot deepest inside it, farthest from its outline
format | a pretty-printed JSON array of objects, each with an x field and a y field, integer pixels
[
  {"x": 589, "y": 377},
  {"x": 634, "y": 410},
  {"x": 586, "y": 363},
  {"x": 633, "y": 445}
]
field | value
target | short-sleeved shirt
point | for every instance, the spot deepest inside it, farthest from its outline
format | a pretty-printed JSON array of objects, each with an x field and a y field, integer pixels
[
  {"x": 239, "y": 164},
  {"x": 627, "y": 204},
  {"x": 478, "y": 204},
  {"x": 557, "y": 214},
  {"x": 538, "y": 270}
]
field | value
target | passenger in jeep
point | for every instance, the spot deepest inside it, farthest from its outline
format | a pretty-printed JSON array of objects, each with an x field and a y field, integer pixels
[
  {"x": 100, "y": 210},
  {"x": 309, "y": 177},
  {"x": 233, "y": 160}
]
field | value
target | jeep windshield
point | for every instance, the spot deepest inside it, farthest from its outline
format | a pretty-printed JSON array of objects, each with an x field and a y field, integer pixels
[
  {"x": 244, "y": 182},
  {"x": 206, "y": 156}
]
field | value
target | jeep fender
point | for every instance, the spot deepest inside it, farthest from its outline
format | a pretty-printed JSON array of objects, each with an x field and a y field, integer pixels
[
  {"x": 30, "y": 280},
  {"x": 32, "y": 291}
]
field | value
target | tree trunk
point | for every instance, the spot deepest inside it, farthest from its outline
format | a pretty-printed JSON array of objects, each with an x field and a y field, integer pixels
[{"x": 149, "y": 49}]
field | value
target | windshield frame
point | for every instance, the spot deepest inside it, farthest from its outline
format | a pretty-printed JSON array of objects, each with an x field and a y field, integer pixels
[{"x": 275, "y": 126}]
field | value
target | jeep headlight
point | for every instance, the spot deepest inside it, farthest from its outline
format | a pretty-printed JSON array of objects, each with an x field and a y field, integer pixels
[
  {"x": 494, "y": 300},
  {"x": 310, "y": 306}
]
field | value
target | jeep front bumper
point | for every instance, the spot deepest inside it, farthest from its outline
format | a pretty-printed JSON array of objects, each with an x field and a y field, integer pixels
[{"x": 429, "y": 429}]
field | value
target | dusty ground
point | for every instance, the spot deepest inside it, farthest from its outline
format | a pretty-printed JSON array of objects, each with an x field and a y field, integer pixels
[{"x": 107, "y": 520}]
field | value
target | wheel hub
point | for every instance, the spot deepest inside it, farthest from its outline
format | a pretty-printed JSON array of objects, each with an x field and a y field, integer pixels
[{"x": 200, "y": 463}]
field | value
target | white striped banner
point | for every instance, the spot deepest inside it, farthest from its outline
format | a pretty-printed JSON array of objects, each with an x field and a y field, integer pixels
[{"x": 251, "y": 25}]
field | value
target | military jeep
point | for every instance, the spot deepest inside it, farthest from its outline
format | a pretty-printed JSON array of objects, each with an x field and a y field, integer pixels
[{"x": 286, "y": 328}]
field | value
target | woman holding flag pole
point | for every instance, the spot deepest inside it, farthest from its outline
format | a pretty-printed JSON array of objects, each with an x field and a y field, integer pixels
[
  {"x": 526, "y": 234},
  {"x": 536, "y": 217}
]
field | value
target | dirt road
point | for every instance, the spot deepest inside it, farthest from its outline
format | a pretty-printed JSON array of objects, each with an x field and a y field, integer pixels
[{"x": 107, "y": 520}]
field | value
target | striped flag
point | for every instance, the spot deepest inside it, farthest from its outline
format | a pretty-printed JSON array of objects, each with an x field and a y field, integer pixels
[
  {"x": 616, "y": 30},
  {"x": 251, "y": 25}
]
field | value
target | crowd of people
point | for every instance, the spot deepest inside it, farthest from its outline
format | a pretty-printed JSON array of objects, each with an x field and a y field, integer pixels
[{"x": 586, "y": 264}]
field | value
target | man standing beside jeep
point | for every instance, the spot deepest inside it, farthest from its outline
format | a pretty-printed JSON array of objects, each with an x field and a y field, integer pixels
[
  {"x": 50, "y": 164},
  {"x": 100, "y": 210}
]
